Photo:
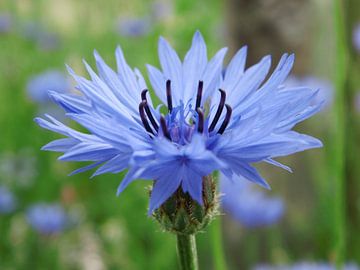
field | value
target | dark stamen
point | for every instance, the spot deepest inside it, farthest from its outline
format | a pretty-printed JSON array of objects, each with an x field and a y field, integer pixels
[
  {"x": 226, "y": 120},
  {"x": 168, "y": 95},
  {"x": 143, "y": 117},
  {"x": 201, "y": 120},
  {"x": 164, "y": 127},
  {"x": 219, "y": 110},
  {"x": 148, "y": 112},
  {"x": 199, "y": 94},
  {"x": 143, "y": 94}
]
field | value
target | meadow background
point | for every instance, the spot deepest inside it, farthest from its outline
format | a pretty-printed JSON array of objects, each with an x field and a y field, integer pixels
[{"x": 321, "y": 219}]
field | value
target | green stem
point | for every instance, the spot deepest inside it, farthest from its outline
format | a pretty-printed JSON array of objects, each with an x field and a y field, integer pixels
[
  {"x": 217, "y": 245},
  {"x": 339, "y": 133},
  {"x": 216, "y": 238},
  {"x": 186, "y": 247}
]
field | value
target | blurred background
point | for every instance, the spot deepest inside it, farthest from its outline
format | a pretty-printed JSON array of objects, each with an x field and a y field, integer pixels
[{"x": 51, "y": 221}]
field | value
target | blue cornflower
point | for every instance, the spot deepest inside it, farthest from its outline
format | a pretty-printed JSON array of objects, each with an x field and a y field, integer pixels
[
  {"x": 356, "y": 37},
  {"x": 38, "y": 86},
  {"x": 357, "y": 101},
  {"x": 18, "y": 167},
  {"x": 213, "y": 122},
  {"x": 248, "y": 205},
  {"x": 44, "y": 39},
  {"x": 6, "y": 22},
  {"x": 48, "y": 41},
  {"x": 47, "y": 219},
  {"x": 7, "y": 201},
  {"x": 307, "y": 266},
  {"x": 162, "y": 10},
  {"x": 133, "y": 27}
]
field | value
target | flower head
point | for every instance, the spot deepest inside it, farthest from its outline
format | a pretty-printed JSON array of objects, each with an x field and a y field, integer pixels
[
  {"x": 357, "y": 102},
  {"x": 47, "y": 218},
  {"x": 18, "y": 167},
  {"x": 133, "y": 27},
  {"x": 356, "y": 37},
  {"x": 213, "y": 121},
  {"x": 5, "y": 23},
  {"x": 307, "y": 266},
  {"x": 248, "y": 205},
  {"x": 48, "y": 41},
  {"x": 44, "y": 39},
  {"x": 39, "y": 86},
  {"x": 162, "y": 10},
  {"x": 7, "y": 201}
]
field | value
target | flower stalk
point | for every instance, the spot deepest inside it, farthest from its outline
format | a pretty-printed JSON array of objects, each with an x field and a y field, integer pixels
[
  {"x": 187, "y": 253},
  {"x": 217, "y": 245},
  {"x": 216, "y": 238},
  {"x": 339, "y": 135}
]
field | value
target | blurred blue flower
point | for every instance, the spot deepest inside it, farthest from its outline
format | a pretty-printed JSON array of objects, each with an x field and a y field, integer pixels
[
  {"x": 133, "y": 27},
  {"x": 356, "y": 37},
  {"x": 357, "y": 101},
  {"x": 44, "y": 39},
  {"x": 7, "y": 201},
  {"x": 48, "y": 41},
  {"x": 307, "y": 266},
  {"x": 19, "y": 167},
  {"x": 325, "y": 88},
  {"x": 162, "y": 10},
  {"x": 38, "y": 86},
  {"x": 5, "y": 23},
  {"x": 30, "y": 30},
  {"x": 249, "y": 205},
  {"x": 47, "y": 219},
  {"x": 248, "y": 120}
]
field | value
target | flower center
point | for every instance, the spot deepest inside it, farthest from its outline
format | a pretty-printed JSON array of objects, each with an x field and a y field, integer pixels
[{"x": 178, "y": 129}]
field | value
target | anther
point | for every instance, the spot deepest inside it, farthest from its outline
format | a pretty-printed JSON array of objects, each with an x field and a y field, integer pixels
[
  {"x": 147, "y": 110},
  {"x": 226, "y": 120},
  {"x": 199, "y": 94},
  {"x": 200, "y": 120},
  {"x": 143, "y": 94},
  {"x": 145, "y": 122},
  {"x": 164, "y": 127},
  {"x": 168, "y": 95},
  {"x": 219, "y": 110}
]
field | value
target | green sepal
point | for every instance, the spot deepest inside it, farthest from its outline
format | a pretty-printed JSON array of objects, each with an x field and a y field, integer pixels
[{"x": 180, "y": 214}]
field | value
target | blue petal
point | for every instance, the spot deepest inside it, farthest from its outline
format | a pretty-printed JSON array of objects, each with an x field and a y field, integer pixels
[
  {"x": 71, "y": 103},
  {"x": 278, "y": 164},
  {"x": 119, "y": 89},
  {"x": 158, "y": 82},
  {"x": 192, "y": 183},
  {"x": 251, "y": 174},
  {"x": 236, "y": 67},
  {"x": 172, "y": 69},
  {"x": 162, "y": 190},
  {"x": 115, "y": 165},
  {"x": 89, "y": 152},
  {"x": 60, "y": 145},
  {"x": 131, "y": 176},
  {"x": 246, "y": 170},
  {"x": 212, "y": 74},
  {"x": 86, "y": 168},
  {"x": 194, "y": 64},
  {"x": 126, "y": 74},
  {"x": 249, "y": 82}
]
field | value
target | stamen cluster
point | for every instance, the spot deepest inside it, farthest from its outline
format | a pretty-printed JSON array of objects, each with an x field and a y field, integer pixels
[{"x": 198, "y": 117}]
